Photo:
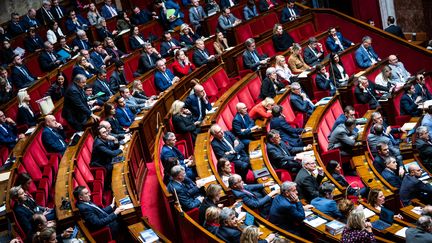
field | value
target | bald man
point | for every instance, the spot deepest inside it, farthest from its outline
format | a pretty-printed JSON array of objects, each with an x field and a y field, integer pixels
[
  {"x": 198, "y": 103},
  {"x": 53, "y": 136},
  {"x": 398, "y": 72},
  {"x": 412, "y": 187},
  {"x": 242, "y": 125}
]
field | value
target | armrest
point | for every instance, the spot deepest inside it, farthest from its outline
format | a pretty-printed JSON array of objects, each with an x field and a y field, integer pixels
[{"x": 102, "y": 235}]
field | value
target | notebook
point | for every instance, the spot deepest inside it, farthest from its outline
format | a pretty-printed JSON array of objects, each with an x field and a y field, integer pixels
[{"x": 385, "y": 219}]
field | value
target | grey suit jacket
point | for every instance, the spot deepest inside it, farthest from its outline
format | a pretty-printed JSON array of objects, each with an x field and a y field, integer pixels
[{"x": 342, "y": 138}]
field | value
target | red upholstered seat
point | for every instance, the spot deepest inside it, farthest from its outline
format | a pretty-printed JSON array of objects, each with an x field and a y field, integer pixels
[
  {"x": 245, "y": 97},
  {"x": 292, "y": 118},
  {"x": 399, "y": 119},
  {"x": 211, "y": 89},
  {"x": 307, "y": 30},
  {"x": 258, "y": 26},
  {"x": 149, "y": 85},
  {"x": 32, "y": 63},
  {"x": 222, "y": 80},
  {"x": 240, "y": 68},
  {"x": 268, "y": 48},
  {"x": 349, "y": 63},
  {"x": 360, "y": 109},
  {"x": 270, "y": 20},
  {"x": 103, "y": 235},
  {"x": 226, "y": 116},
  {"x": 4, "y": 153},
  {"x": 296, "y": 35},
  {"x": 131, "y": 65},
  {"x": 254, "y": 87},
  {"x": 318, "y": 94}
]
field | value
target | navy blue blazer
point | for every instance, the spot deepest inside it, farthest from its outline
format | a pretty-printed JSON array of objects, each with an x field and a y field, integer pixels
[
  {"x": 80, "y": 70},
  {"x": 24, "y": 217},
  {"x": 189, "y": 40},
  {"x": 24, "y": 117},
  {"x": 324, "y": 83},
  {"x": 55, "y": 13},
  {"x": 115, "y": 126},
  {"x": 46, "y": 63},
  {"x": 191, "y": 103},
  {"x": 327, "y": 206},
  {"x": 226, "y": 4},
  {"x": 20, "y": 80},
  {"x": 75, "y": 109},
  {"x": 106, "y": 13},
  {"x": 27, "y": 22},
  {"x": 391, "y": 178},
  {"x": 229, "y": 234},
  {"x": 144, "y": 63},
  {"x": 16, "y": 28},
  {"x": 300, "y": 105},
  {"x": 362, "y": 58},
  {"x": 249, "y": 13},
  {"x": 254, "y": 199},
  {"x": 123, "y": 119},
  {"x": 8, "y": 137},
  {"x": 198, "y": 57},
  {"x": 165, "y": 48},
  {"x": 422, "y": 90},
  {"x": 286, "y": 214},
  {"x": 134, "y": 43},
  {"x": 52, "y": 140},
  {"x": 249, "y": 62},
  {"x": 82, "y": 44},
  {"x": 408, "y": 106},
  {"x": 103, "y": 152},
  {"x": 288, "y": 133},
  {"x": 219, "y": 148},
  {"x": 116, "y": 80},
  {"x": 99, "y": 86},
  {"x": 395, "y": 30},
  {"x": 187, "y": 193},
  {"x": 264, "y": 6},
  {"x": 98, "y": 59},
  {"x": 72, "y": 27},
  {"x": 96, "y": 219},
  {"x": 310, "y": 58},
  {"x": 143, "y": 17},
  {"x": 103, "y": 33},
  {"x": 161, "y": 82},
  {"x": 268, "y": 88},
  {"x": 240, "y": 123},
  {"x": 340, "y": 120},
  {"x": 333, "y": 47},
  {"x": 425, "y": 150},
  {"x": 412, "y": 187},
  {"x": 31, "y": 45},
  {"x": 286, "y": 14},
  {"x": 174, "y": 152},
  {"x": 278, "y": 158}
]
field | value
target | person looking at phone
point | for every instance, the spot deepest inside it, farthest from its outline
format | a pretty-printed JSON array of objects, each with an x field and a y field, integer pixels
[
  {"x": 286, "y": 210},
  {"x": 40, "y": 223}
]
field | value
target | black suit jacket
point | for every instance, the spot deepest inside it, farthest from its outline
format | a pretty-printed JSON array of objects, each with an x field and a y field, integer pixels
[
  {"x": 96, "y": 219},
  {"x": 307, "y": 185},
  {"x": 115, "y": 126},
  {"x": 231, "y": 235},
  {"x": 268, "y": 89},
  {"x": 392, "y": 178},
  {"x": 206, "y": 203},
  {"x": 75, "y": 109},
  {"x": 43, "y": 16},
  {"x": 31, "y": 45},
  {"x": 103, "y": 153},
  {"x": 288, "y": 133},
  {"x": 184, "y": 124},
  {"x": 46, "y": 63},
  {"x": 219, "y": 148},
  {"x": 25, "y": 117},
  {"x": 198, "y": 57},
  {"x": 278, "y": 158},
  {"x": 425, "y": 150},
  {"x": 310, "y": 58},
  {"x": 19, "y": 79},
  {"x": 408, "y": 106},
  {"x": 134, "y": 43},
  {"x": 412, "y": 187},
  {"x": 116, "y": 80},
  {"x": 249, "y": 62},
  {"x": 395, "y": 30},
  {"x": 144, "y": 64}
]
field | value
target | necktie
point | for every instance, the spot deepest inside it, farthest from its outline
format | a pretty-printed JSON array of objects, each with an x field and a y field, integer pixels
[
  {"x": 4, "y": 129},
  {"x": 49, "y": 14},
  {"x": 338, "y": 42},
  {"x": 248, "y": 192},
  {"x": 227, "y": 143},
  {"x": 293, "y": 14},
  {"x": 19, "y": 26},
  {"x": 167, "y": 77},
  {"x": 112, "y": 11},
  {"x": 204, "y": 54},
  {"x": 26, "y": 74},
  {"x": 59, "y": 12},
  {"x": 83, "y": 45},
  {"x": 150, "y": 60},
  {"x": 228, "y": 21},
  {"x": 197, "y": 12},
  {"x": 106, "y": 87},
  {"x": 255, "y": 57},
  {"x": 200, "y": 109},
  {"x": 53, "y": 58},
  {"x": 127, "y": 115}
]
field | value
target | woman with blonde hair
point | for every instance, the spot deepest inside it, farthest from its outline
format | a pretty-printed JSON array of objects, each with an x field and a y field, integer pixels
[
  {"x": 212, "y": 221},
  {"x": 187, "y": 35},
  {"x": 213, "y": 195},
  {"x": 295, "y": 61},
  {"x": 221, "y": 43},
  {"x": 262, "y": 109},
  {"x": 283, "y": 71},
  {"x": 46, "y": 235},
  {"x": 357, "y": 229},
  {"x": 93, "y": 14},
  {"x": 138, "y": 91},
  {"x": 383, "y": 79},
  {"x": 252, "y": 233},
  {"x": 26, "y": 116},
  {"x": 182, "y": 119}
]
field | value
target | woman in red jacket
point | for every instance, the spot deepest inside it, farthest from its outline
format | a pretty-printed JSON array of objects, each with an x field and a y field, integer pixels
[{"x": 181, "y": 66}]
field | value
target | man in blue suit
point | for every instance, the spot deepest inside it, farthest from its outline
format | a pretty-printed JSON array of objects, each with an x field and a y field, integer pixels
[
  {"x": 99, "y": 56},
  {"x": 95, "y": 217},
  {"x": 81, "y": 41},
  {"x": 336, "y": 42},
  {"x": 101, "y": 85},
  {"x": 198, "y": 103},
  {"x": 53, "y": 136},
  {"x": 349, "y": 112},
  {"x": 290, "y": 12},
  {"x": 251, "y": 59},
  {"x": 287, "y": 210},
  {"x": 323, "y": 80},
  {"x": 188, "y": 193},
  {"x": 201, "y": 55},
  {"x": 109, "y": 10},
  {"x": 123, "y": 114},
  {"x": 409, "y": 100},
  {"x": 48, "y": 59},
  {"x": 21, "y": 76},
  {"x": 313, "y": 53},
  {"x": 365, "y": 55},
  {"x": 169, "y": 151},
  {"x": 225, "y": 145},
  {"x": 288, "y": 133},
  {"x": 389, "y": 172},
  {"x": 15, "y": 27},
  {"x": 325, "y": 202},
  {"x": 242, "y": 125},
  {"x": 252, "y": 195},
  {"x": 196, "y": 15},
  {"x": 76, "y": 22},
  {"x": 8, "y": 131},
  {"x": 228, "y": 229},
  {"x": 33, "y": 42},
  {"x": 299, "y": 100},
  {"x": 29, "y": 20},
  {"x": 163, "y": 77},
  {"x": 168, "y": 45},
  {"x": 421, "y": 89},
  {"x": 412, "y": 187}
]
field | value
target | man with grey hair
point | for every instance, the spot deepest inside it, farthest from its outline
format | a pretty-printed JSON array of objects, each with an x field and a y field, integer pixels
[
  {"x": 287, "y": 210},
  {"x": 201, "y": 55},
  {"x": 300, "y": 102},
  {"x": 188, "y": 194},
  {"x": 251, "y": 59},
  {"x": 398, "y": 72},
  {"x": 270, "y": 86},
  {"x": 242, "y": 125},
  {"x": 228, "y": 229},
  {"x": 365, "y": 55},
  {"x": 423, "y": 232},
  {"x": 413, "y": 187},
  {"x": 389, "y": 172},
  {"x": 314, "y": 53},
  {"x": 48, "y": 59},
  {"x": 252, "y": 195},
  {"x": 365, "y": 92},
  {"x": 388, "y": 131},
  {"x": 44, "y": 14},
  {"x": 163, "y": 77},
  {"x": 309, "y": 179},
  {"x": 147, "y": 59},
  {"x": 171, "y": 155},
  {"x": 81, "y": 41},
  {"x": 423, "y": 144}
]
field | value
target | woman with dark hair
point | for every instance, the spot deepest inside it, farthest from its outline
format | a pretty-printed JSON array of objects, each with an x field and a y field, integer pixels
[
  {"x": 221, "y": 43},
  {"x": 110, "y": 112},
  {"x": 64, "y": 46},
  {"x": 337, "y": 71},
  {"x": 376, "y": 199},
  {"x": 58, "y": 88},
  {"x": 224, "y": 170},
  {"x": 181, "y": 65},
  {"x": 6, "y": 91},
  {"x": 123, "y": 21},
  {"x": 136, "y": 39},
  {"x": 54, "y": 33},
  {"x": 334, "y": 168},
  {"x": 281, "y": 39}
]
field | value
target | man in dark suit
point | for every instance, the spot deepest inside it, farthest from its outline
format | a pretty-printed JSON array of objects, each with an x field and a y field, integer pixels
[
  {"x": 288, "y": 133},
  {"x": 168, "y": 45},
  {"x": 228, "y": 229},
  {"x": 423, "y": 144},
  {"x": 290, "y": 12},
  {"x": 423, "y": 232},
  {"x": 53, "y": 136},
  {"x": 48, "y": 59},
  {"x": 389, "y": 172},
  {"x": 393, "y": 28},
  {"x": 140, "y": 17},
  {"x": 225, "y": 145},
  {"x": 365, "y": 55},
  {"x": 252, "y": 195},
  {"x": 270, "y": 86},
  {"x": 76, "y": 22},
  {"x": 336, "y": 42},
  {"x": 307, "y": 182},
  {"x": 409, "y": 101},
  {"x": 58, "y": 11},
  {"x": 313, "y": 54},
  {"x": 343, "y": 137},
  {"x": 188, "y": 193},
  {"x": 123, "y": 114},
  {"x": 8, "y": 131},
  {"x": 105, "y": 148},
  {"x": 81, "y": 41},
  {"x": 29, "y": 20},
  {"x": 421, "y": 89},
  {"x": 21, "y": 76},
  {"x": 227, "y": 3},
  {"x": 281, "y": 154},
  {"x": 242, "y": 125},
  {"x": 323, "y": 80},
  {"x": 299, "y": 100},
  {"x": 163, "y": 77},
  {"x": 76, "y": 110},
  {"x": 196, "y": 16},
  {"x": 99, "y": 56},
  {"x": 147, "y": 59},
  {"x": 375, "y": 140},
  {"x": 44, "y": 14},
  {"x": 201, "y": 55},
  {"x": 15, "y": 27},
  {"x": 388, "y": 131},
  {"x": 251, "y": 59},
  {"x": 109, "y": 10},
  {"x": 383, "y": 153},
  {"x": 169, "y": 151},
  {"x": 365, "y": 92},
  {"x": 101, "y": 85},
  {"x": 287, "y": 211},
  {"x": 198, "y": 103},
  {"x": 33, "y": 42},
  {"x": 412, "y": 187},
  {"x": 349, "y": 112},
  {"x": 95, "y": 217},
  {"x": 118, "y": 77}
]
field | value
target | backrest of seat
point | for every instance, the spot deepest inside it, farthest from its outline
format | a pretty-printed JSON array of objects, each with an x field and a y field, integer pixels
[
  {"x": 227, "y": 117},
  {"x": 296, "y": 35},
  {"x": 307, "y": 30},
  {"x": 245, "y": 97},
  {"x": 84, "y": 169},
  {"x": 258, "y": 26},
  {"x": 80, "y": 179},
  {"x": 268, "y": 48},
  {"x": 349, "y": 63},
  {"x": 254, "y": 87},
  {"x": 287, "y": 110},
  {"x": 270, "y": 20},
  {"x": 396, "y": 103},
  {"x": 221, "y": 79},
  {"x": 31, "y": 167},
  {"x": 211, "y": 89},
  {"x": 322, "y": 139},
  {"x": 149, "y": 85},
  {"x": 373, "y": 74},
  {"x": 12, "y": 110}
]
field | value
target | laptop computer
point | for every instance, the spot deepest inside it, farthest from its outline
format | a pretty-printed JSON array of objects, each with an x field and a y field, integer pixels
[{"x": 385, "y": 220}]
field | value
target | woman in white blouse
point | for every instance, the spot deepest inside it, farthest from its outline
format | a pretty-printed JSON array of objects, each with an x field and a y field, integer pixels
[
  {"x": 383, "y": 79},
  {"x": 54, "y": 33},
  {"x": 283, "y": 71},
  {"x": 337, "y": 71}
]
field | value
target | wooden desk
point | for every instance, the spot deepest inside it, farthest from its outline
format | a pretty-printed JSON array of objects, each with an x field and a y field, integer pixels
[{"x": 137, "y": 228}]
